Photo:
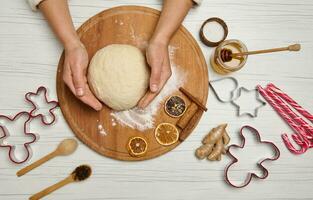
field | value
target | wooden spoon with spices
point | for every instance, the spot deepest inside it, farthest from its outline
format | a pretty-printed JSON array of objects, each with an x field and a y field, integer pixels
[
  {"x": 81, "y": 173},
  {"x": 66, "y": 147}
]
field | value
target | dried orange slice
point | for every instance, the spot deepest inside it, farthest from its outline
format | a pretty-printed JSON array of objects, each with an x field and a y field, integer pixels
[
  {"x": 137, "y": 146},
  {"x": 166, "y": 134},
  {"x": 175, "y": 106}
]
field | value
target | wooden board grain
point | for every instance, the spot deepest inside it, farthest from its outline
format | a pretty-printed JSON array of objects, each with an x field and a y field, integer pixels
[
  {"x": 129, "y": 25},
  {"x": 29, "y": 56}
]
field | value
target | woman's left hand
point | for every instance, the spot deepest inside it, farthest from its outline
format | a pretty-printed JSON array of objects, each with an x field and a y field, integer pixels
[{"x": 158, "y": 60}]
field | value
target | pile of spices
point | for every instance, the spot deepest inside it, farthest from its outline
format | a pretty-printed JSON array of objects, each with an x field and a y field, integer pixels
[{"x": 81, "y": 172}]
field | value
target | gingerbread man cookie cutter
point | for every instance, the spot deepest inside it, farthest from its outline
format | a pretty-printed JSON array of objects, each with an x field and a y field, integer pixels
[
  {"x": 6, "y": 134},
  {"x": 53, "y": 104},
  {"x": 30, "y": 115},
  {"x": 260, "y": 163}
]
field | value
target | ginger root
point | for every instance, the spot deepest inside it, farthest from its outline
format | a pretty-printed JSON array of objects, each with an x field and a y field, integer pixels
[
  {"x": 214, "y": 144},
  {"x": 203, "y": 151}
]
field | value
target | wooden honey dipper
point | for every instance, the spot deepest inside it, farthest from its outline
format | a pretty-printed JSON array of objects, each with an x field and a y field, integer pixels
[{"x": 227, "y": 54}]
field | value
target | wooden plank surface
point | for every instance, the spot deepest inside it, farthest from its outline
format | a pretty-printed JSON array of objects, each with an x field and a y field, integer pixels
[{"x": 28, "y": 58}]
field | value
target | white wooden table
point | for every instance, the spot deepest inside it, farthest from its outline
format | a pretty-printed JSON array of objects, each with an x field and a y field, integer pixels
[{"x": 29, "y": 53}]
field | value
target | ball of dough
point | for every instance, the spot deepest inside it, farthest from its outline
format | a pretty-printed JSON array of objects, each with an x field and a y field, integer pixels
[{"x": 118, "y": 76}]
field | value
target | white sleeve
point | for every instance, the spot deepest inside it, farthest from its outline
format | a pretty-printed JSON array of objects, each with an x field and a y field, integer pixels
[{"x": 34, "y": 3}]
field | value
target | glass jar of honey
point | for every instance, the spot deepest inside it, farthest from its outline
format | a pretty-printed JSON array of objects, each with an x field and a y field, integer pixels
[{"x": 224, "y": 67}]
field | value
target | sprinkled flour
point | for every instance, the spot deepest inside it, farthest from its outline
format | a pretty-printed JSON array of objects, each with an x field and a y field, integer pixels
[
  {"x": 101, "y": 130},
  {"x": 144, "y": 119}
]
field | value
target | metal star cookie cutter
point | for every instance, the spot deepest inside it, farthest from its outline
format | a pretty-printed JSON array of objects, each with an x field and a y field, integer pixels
[
  {"x": 257, "y": 97},
  {"x": 260, "y": 163},
  {"x": 232, "y": 93},
  {"x": 6, "y": 134},
  {"x": 53, "y": 104}
]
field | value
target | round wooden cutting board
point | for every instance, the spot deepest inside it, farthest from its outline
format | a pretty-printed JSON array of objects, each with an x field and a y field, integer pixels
[{"x": 130, "y": 25}]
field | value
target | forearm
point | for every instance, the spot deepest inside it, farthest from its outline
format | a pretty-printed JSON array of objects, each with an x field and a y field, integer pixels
[
  {"x": 58, "y": 16},
  {"x": 173, "y": 13}
]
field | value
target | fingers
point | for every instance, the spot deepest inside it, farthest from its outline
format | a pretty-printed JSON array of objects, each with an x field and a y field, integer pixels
[
  {"x": 91, "y": 100},
  {"x": 147, "y": 99},
  {"x": 67, "y": 78},
  {"x": 79, "y": 81},
  {"x": 88, "y": 97},
  {"x": 155, "y": 77},
  {"x": 149, "y": 96},
  {"x": 166, "y": 70},
  {"x": 76, "y": 80}
]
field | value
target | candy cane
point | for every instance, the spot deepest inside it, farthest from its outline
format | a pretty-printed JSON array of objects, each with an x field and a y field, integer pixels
[
  {"x": 292, "y": 102},
  {"x": 307, "y": 130},
  {"x": 302, "y": 140},
  {"x": 279, "y": 110},
  {"x": 291, "y": 148},
  {"x": 299, "y": 140}
]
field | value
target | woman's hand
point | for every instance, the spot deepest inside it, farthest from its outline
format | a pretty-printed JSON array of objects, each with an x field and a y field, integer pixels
[
  {"x": 76, "y": 58},
  {"x": 173, "y": 13},
  {"x": 158, "y": 60},
  {"x": 74, "y": 74}
]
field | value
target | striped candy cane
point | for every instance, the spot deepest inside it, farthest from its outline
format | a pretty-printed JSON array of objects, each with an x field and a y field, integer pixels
[
  {"x": 302, "y": 140},
  {"x": 279, "y": 110},
  {"x": 299, "y": 139},
  {"x": 289, "y": 145},
  {"x": 304, "y": 128},
  {"x": 291, "y": 102}
]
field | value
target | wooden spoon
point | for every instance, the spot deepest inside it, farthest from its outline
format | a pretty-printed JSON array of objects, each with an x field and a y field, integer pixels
[
  {"x": 66, "y": 147},
  {"x": 81, "y": 173}
]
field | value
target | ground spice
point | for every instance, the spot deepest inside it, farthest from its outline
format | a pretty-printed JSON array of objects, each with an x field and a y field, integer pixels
[{"x": 81, "y": 172}]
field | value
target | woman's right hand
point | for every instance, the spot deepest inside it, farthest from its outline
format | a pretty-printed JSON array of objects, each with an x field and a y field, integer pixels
[
  {"x": 76, "y": 57},
  {"x": 74, "y": 74}
]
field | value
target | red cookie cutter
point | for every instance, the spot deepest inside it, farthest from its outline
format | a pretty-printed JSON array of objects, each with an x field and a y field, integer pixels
[
  {"x": 31, "y": 115},
  {"x": 260, "y": 163},
  {"x": 25, "y": 129},
  {"x": 53, "y": 104}
]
